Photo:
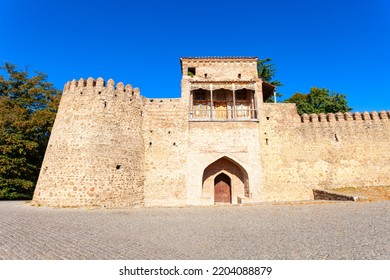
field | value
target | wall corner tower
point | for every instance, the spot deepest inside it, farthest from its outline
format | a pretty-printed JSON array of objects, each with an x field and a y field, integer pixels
[{"x": 95, "y": 153}]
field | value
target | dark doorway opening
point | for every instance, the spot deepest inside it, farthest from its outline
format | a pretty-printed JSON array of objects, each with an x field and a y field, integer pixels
[{"x": 222, "y": 189}]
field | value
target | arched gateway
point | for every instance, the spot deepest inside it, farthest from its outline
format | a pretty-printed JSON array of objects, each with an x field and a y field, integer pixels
[{"x": 225, "y": 181}]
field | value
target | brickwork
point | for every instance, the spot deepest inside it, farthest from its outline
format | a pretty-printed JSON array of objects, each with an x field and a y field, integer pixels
[{"x": 112, "y": 147}]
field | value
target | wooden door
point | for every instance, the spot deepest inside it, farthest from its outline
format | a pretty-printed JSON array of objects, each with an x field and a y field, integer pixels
[{"x": 222, "y": 189}]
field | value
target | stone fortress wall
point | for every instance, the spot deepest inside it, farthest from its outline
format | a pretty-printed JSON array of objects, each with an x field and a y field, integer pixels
[
  {"x": 112, "y": 147},
  {"x": 322, "y": 151},
  {"x": 165, "y": 129}
]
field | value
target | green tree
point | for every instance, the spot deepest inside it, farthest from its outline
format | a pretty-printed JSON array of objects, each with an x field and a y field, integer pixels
[
  {"x": 27, "y": 111},
  {"x": 267, "y": 71},
  {"x": 319, "y": 100}
]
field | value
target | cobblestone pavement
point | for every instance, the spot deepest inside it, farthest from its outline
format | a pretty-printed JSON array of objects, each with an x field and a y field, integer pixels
[{"x": 343, "y": 230}]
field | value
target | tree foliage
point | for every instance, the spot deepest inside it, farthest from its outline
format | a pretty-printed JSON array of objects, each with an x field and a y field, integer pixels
[
  {"x": 27, "y": 111},
  {"x": 319, "y": 100},
  {"x": 267, "y": 71}
]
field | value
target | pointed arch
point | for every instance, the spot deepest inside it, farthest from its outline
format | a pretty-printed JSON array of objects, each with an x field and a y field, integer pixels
[
  {"x": 222, "y": 177},
  {"x": 221, "y": 168}
]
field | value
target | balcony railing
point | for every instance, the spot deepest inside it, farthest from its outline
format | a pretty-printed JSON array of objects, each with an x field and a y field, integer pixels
[{"x": 222, "y": 113}]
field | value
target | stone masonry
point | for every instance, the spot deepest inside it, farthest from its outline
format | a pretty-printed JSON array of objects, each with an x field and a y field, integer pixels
[{"x": 218, "y": 143}]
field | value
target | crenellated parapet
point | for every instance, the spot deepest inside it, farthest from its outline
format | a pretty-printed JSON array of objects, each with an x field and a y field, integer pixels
[
  {"x": 99, "y": 86},
  {"x": 343, "y": 117}
]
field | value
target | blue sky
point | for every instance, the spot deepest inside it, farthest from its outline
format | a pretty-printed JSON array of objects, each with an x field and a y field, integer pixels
[{"x": 340, "y": 45}]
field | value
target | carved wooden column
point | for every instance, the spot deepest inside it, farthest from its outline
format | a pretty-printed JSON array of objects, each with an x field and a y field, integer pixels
[
  {"x": 234, "y": 102},
  {"x": 255, "y": 103},
  {"x": 212, "y": 103}
]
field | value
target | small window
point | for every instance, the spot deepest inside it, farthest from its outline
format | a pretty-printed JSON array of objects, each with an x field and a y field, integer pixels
[{"x": 191, "y": 71}]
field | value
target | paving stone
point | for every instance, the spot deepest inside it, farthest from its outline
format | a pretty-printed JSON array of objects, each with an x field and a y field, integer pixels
[{"x": 342, "y": 230}]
